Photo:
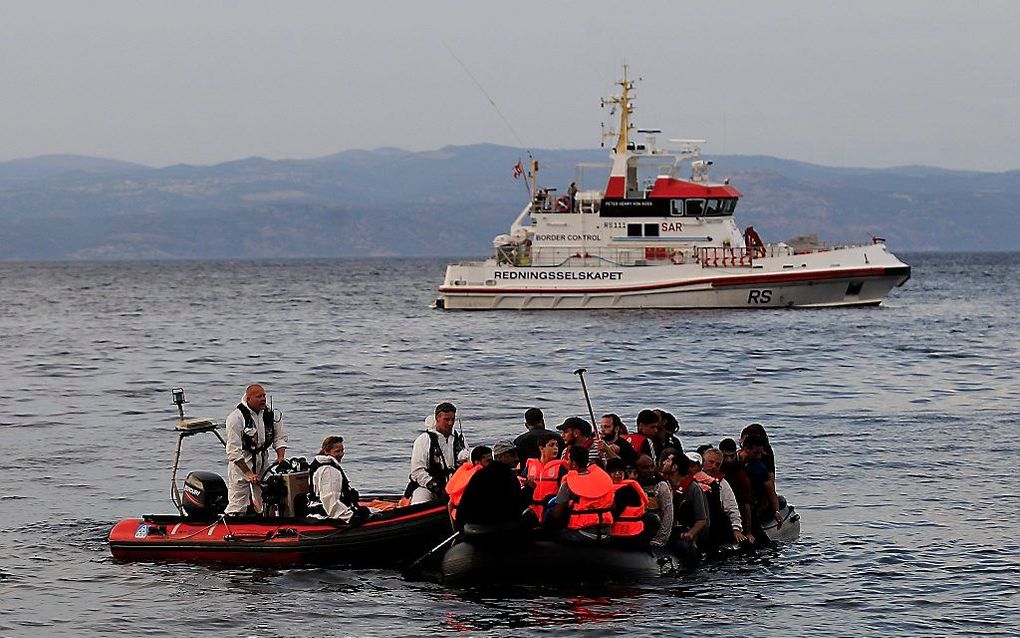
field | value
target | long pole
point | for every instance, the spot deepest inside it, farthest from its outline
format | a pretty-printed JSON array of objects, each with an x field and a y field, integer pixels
[{"x": 596, "y": 430}]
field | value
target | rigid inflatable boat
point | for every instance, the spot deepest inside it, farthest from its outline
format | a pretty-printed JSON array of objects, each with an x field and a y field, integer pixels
[
  {"x": 390, "y": 537},
  {"x": 280, "y": 534}
]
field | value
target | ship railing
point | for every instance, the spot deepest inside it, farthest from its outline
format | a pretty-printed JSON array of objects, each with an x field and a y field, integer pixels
[
  {"x": 552, "y": 257},
  {"x": 600, "y": 257},
  {"x": 738, "y": 256},
  {"x": 728, "y": 256}
]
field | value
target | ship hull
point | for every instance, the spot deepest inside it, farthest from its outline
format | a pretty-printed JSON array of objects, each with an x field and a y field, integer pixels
[{"x": 805, "y": 281}]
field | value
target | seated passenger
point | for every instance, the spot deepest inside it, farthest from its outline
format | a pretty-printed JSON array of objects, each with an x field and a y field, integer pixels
[
  {"x": 578, "y": 433},
  {"x": 629, "y": 502},
  {"x": 494, "y": 495},
  {"x": 735, "y": 475},
  {"x": 730, "y": 530},
  {"x": 330, "y": 494},
  {"x": 647, "y": 433},
  {"x": 691, "y": 522},
  {"x": 584, "y": 501},
  {"x": 764, "y": 500},
  {"x": 660, "y": 498},
  {"x": 768, "y": 455},
  {"x": 613, "y": 444},
  {"x": 543, "y": 474},
  {"x": 668, "y": 427},
  {"x": 480, "y": 457}
]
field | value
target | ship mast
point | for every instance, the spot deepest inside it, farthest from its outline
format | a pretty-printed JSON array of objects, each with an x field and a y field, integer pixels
[{"x": 625, "y": 102}]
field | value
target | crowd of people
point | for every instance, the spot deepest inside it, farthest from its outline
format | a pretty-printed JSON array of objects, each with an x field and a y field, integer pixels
[
  {"x": 632, "y": 489},
  {"x": 640, "y": 489}
]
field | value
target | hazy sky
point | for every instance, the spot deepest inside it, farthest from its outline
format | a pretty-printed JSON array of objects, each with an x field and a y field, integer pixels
[{"x": 841, "y": 83}]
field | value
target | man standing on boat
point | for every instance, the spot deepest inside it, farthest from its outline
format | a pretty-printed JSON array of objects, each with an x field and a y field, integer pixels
[
  {"x": 435, "y": 456},
  {"x": 527, "y": 443},
  {"x": 251, "y": 431}
]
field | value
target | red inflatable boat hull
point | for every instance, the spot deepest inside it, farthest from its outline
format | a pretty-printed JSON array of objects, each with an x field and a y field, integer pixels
[{"x": 390, "y": 538}]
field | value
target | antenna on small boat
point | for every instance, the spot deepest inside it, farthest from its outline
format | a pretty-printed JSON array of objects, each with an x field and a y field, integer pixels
[{"x": 186, "y": 427}]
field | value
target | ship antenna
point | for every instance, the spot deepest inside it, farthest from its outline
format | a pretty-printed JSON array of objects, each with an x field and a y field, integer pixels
[
  {"x": 506, "y": 121},
  {"x": 625, "y": 102}
]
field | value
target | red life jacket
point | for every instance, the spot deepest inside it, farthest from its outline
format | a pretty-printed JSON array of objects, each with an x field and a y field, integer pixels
[
  {"x": 629, "y": 522},
  {"x": 547, "y": 483},
  {"x": 705, "y": 481},
  {"x": 637, "y": 441},
  {"x": 458, "y": 483},
  {"x": 594, "y": 492}
]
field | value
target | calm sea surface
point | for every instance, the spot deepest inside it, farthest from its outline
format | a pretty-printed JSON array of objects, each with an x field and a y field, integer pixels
[{"x": 895, "y": 430}]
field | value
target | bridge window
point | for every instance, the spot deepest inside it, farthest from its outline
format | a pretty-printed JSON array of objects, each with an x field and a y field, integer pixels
[
  {"x": 714, "y": 207},
  {"x": 633, "y": 230},
  {"x": 695, "y": 207},
  {"x": 651, "y": 230}
]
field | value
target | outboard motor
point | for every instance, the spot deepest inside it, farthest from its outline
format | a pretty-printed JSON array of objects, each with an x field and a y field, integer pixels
[{"x": 205, "y": 495}]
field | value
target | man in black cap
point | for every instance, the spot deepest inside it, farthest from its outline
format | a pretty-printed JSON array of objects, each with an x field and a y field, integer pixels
[
  {"x": 495, "y": 496},
  {"x": 577, "y": 431},
  {"x": 527, "y": 443}
]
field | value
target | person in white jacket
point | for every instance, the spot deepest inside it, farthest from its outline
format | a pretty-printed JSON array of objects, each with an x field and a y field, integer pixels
[
  {"x": 330, "y": 494},
  {"x": 435, "y": 456},
  {"x": 251, "y": 432}
]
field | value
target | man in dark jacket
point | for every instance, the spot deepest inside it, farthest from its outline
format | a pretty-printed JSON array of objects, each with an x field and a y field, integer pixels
[
  {"x": 527, "y": 443},
  {"x": 495, "y": 496}
]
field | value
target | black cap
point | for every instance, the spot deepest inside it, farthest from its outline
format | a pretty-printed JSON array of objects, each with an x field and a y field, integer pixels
[{"x": 577, "y": 423}]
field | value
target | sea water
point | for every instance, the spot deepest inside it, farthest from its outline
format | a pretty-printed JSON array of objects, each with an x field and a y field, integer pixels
[{"x": 895, "y": 430}]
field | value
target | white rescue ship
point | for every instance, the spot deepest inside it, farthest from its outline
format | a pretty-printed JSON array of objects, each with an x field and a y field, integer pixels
[{"x": 659, "y": 242}]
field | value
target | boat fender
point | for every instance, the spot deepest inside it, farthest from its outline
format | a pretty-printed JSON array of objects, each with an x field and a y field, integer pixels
[
  {"x": 562, "y": 204},
  {"x": 678, "y": 257}
]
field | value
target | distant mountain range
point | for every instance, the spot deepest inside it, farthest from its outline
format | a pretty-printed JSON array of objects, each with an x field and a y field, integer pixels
[{"x": 449, "y": 202}]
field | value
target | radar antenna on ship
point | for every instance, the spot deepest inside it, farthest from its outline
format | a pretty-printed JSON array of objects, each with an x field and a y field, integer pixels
[{"x": 625, "y": 100}]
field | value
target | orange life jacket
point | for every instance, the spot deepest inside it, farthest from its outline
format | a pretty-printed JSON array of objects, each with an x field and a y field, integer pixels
[
  {"x": 594, "y": 492},
  {"x": 458, "y": 483},
  {"x": 629, "y": 522},
  {"x": 547, "y": 483}
]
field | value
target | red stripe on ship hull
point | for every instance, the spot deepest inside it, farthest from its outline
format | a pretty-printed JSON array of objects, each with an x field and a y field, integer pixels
[{"x": 725, "y": 282}]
